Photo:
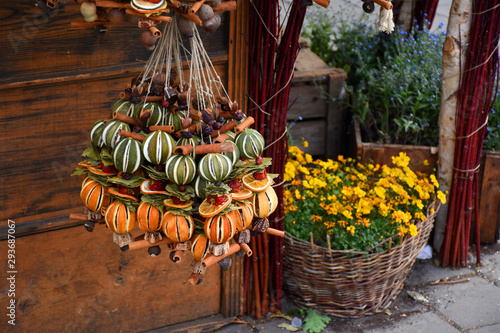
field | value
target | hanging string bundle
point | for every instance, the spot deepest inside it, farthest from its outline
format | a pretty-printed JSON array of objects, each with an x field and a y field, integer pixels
[
  {"x": 476, "y": 96},
  {"x": 179, "y": 160}
]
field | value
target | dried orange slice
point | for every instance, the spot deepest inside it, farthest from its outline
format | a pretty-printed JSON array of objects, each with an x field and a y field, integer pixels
[
  {"x": 170, "y": 203},
  {"x": 242, "y": 194},
  {"x": 99, "y": 172},
  {"x": 207, "y": 209},
  {"x": 84, "y": 164},
  {"x": 256, "y": 185},
  {"x": 115, "y": 191}
]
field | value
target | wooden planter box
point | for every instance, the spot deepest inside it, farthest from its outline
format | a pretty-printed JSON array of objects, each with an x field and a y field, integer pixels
[
  {"x": 55, "y": 82},
  {"x": 382, "y": 153},
  {"x": 314, "y": 87}
]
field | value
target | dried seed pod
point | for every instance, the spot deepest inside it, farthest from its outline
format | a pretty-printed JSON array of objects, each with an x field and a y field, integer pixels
[
  {"x": 212, "y": 24},
  {"x": 148, "y": 40},
  {"x": 116, "y": 16},
  {"x": 186, "y": 27},
  {"x": 205, "y": 13},
  {"x": 89, "y": 11}
]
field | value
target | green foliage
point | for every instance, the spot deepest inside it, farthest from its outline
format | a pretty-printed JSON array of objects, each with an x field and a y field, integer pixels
[
  {"x": 394, "y": 81},
  {"x": 492, "y": 141},
  {"x": 315, "y": 322}
]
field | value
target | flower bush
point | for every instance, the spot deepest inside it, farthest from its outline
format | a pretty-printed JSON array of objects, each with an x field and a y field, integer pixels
[
  {"x": 393, "y": 81},
  {"x": 358, "y": 205}
]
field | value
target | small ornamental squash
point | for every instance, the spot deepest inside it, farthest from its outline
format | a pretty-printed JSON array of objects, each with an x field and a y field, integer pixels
[
  {"x": 200, "y": 187},
  {"x": 220, "y": 228},
  {"x": 110, "y": 136},
  {"x": 157, "y": 147},
  {"x": 127, "y": 108},
  {"x": 178, "y": 228},
  {"x": 180, "y": 169},
  {"x": 243, "y": 216},
  {"x": 127, "y": 155},
  {"x": 215, "y": 167},
  {"x": 235, "y": 155},
  {"x": 119, "y": 218},
  {"x": 157, "y": 113},
  {"x": 250, "y": 143},
  {"x": 199, "y": 247},
  {"x": 193, "y": 141},
  {"x": 94, "y": 196},
  {"x": 96, "y": 133},
  {"x": 174, "y": 119},
  {"x": 264, "y": 203}
]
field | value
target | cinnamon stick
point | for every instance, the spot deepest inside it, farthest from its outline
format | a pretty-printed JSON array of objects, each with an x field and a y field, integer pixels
[
  {"x": 226, "y": 6},
  {"x": 225, "y": 147},
  {"x": 194, "y": 8},
  {"x": 221, "y": 138},
  {"x": 124, "y": 95},
  {"x": 275, "y": 232},
  {"x": 126, "y": 119},
  {"x": 175, "y": 3},
  {"x": 167, "y": 129},
  {"x": 152, "y": 98},
  {"x": 244, "y": 124},
  {"x": 177, "y": 256},
  {"x": 245, "y": 248},
  {"x": 143, "y": 244},
  {"x": 225, "y": 128},
  {"x": 161, "y": 18},
  {"x": 193, "y": 279},
  {"x": 209, "y": 261},
  {"x": 325, "y": 3},
  {"x": 382, "y": 3},
  {"x": 191, "y": 17},
  {"x": 132, "y": 135}
]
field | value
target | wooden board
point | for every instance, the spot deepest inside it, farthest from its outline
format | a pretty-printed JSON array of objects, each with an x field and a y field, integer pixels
[
  {"x": 39, "y": 42},
  {"x": 382, "y": 153},
  {"x": 314, "y": 132},
  {"x": 74, "y": 281},
  {"x": 489, "y": 206}
]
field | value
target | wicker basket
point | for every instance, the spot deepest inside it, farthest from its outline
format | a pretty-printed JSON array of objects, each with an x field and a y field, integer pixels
[{"x": 354, "y": 286}]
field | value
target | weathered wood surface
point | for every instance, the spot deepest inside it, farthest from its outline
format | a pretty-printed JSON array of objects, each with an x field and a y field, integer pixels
[
  {"x": 315, "y": 86},
  {"x": 74, "y": 281},
  {"x": 36, "y": 41},
  {"x": 489, "y": 206},
  {"x": 422, "y": 158}
]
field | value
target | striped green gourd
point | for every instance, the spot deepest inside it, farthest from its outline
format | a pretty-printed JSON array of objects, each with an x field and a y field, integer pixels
[
  {"x": 200, "y": 185},
  {"x": 194, "y": 141},
  {"x": 251, "y": 143},
  {"x": 96, "y": 133},
  {"x": 174, "y": 119},
  {"x": 234, "y": 156},
  {"x": 231, "y": 135},
  {"x": 158, "y": 112},
  {"x": 110, "y": 136},
  {"x": 157, "y": 147},
  {"x": 215, "y": 167},
  {"x": 127, "y": 108},
  {"x": 127, "y": 155},
  {"x": 180, "y": 169}
]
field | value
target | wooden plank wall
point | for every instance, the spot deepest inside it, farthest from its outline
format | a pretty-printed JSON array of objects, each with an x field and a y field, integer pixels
[{"x": 71, "y": 280}]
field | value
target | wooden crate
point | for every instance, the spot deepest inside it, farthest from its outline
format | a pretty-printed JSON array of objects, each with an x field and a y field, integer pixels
[
  {"x": 489, "y": 205},
  {"x": 55, "y": 82},
  {"x": 314, "y": 87}
]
